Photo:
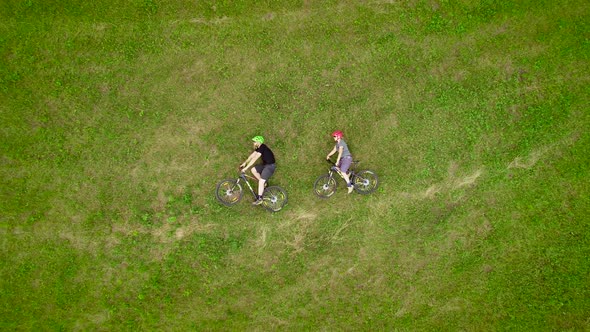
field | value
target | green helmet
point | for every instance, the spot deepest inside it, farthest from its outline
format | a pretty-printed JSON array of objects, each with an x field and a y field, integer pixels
[{"x": 258, "y": 139}]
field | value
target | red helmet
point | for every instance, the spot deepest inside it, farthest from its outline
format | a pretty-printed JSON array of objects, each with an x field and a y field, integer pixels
[{"x": 338, "y": 134}]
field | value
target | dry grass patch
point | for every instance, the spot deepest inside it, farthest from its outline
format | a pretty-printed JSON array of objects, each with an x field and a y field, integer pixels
[
  {"x": 86, "y": 243},
  {"x": 526, "y": 162},
  {"x": 261, "y": 241},
  {"x": 467, "y": 180},
  {"x": 411, "y": 300},
  {"x": 452, "y": 183},
  {"x": 297, "y": 229},
  {"x": 383, "y": 206},
  {"x": 550, "y": 151}
]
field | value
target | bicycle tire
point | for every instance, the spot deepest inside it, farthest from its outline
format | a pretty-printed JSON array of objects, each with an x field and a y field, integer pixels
[
  {"x": 229, "y": 192},
  {"x": 274, "y": 198},
  {"x": 325, "y": 186},
  {"x": 365, "y": 182}
]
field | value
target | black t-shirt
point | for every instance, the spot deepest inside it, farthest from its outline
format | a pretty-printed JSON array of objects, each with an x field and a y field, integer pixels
[{"x": 267, "y": 156}]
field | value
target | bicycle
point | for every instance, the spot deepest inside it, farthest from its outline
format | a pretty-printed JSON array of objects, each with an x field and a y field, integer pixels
[
  {"x": 364, "y": 182},
  {"x": 229, "y": 192}
]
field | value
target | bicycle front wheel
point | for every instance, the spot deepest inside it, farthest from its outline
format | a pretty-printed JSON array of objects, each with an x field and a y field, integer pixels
[
  {"x": 325, "y": 186},
  {"x": 365, "y": 182},
  {"x": 229, "y": 192},
  {"x": 274, "y": 198}
]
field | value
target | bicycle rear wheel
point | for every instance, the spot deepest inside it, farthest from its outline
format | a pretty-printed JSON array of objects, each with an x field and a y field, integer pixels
[
  {"x": 325, "y": 186},
  {"x": 365, "y": 182},
  {"x": 274, "y": 198},
  {"x": 229, "y": 192}
]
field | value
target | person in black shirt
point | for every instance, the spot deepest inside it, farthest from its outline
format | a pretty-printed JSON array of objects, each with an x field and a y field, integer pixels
[{"x": 264, "y": 171}]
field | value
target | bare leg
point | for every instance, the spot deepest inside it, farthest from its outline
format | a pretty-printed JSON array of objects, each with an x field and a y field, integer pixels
[
  {"x": 256, "y": 174},
  {"x": 261, "y": 187},
  {"x": 344, "y": 175},
  {"x": 347, "y": 179},
  {"x": 261, "y": 181}
]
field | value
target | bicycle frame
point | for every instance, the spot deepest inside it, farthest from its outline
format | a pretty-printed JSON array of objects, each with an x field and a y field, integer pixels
[
  {"x": 245, "y": 178},
  {"x": 230, "y": 191},
  {"x": 351, "y": 175},
  {"x": 363, "y": 181}
]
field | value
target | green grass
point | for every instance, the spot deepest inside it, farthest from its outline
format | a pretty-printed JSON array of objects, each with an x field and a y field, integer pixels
[{"x": 119, "y": 117}]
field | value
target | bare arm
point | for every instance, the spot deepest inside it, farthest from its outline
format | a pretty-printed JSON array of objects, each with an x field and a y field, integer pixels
[
  {"x": 250, "y": 161},
  {"x": 331, "y": 153}
]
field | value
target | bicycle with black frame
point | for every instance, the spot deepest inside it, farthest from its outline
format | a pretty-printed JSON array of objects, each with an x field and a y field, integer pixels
[
  {"x": 230, "y": 192},
  {"x": 364, "y": 181}
]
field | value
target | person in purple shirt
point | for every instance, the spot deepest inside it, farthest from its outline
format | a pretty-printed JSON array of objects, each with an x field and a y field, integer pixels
[{"x": 344, "y": 158}]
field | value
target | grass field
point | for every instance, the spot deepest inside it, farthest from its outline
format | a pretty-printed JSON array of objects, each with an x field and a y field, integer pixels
[{"x": 119, "y": 118}]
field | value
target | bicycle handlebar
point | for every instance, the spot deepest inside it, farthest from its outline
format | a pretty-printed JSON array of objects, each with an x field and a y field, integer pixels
[
  {"x": 329, "y": 161},
  {"x": 243, "y": 175},
  {"x": 334, "y": 164}
]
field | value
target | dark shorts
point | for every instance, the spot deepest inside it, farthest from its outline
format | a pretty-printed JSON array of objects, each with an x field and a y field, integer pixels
[
  {"x": 265, "y": 171},
  {"x": 344, "y": 164}
]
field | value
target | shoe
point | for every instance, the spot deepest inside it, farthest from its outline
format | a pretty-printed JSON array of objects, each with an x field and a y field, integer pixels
[
  {"x": 258, "y": 201},
  {"x": 350, "y": 188}
]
